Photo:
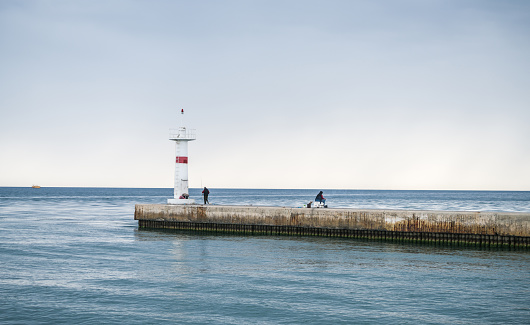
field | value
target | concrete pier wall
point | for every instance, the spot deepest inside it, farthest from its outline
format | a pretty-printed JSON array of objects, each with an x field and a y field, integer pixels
[
  {"x": 487, "y": 223},
  {"x": 488, "y": 226}
]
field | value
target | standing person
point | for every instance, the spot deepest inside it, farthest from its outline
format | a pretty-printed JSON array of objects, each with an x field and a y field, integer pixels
[
  {"x": 205, "y": 193},
  {"x": 320, "y": 198}
]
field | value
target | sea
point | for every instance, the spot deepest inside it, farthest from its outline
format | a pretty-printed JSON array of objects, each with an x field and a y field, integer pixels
[{"x": 77, "y": 256}]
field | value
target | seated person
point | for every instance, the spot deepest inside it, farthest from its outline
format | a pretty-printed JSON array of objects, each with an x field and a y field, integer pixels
[
  {"x": 184, "y": 196},
  {"x": 320, "y": 198}
]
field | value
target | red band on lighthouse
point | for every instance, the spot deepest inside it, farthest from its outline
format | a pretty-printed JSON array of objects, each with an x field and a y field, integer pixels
[{"x": 182, "y": 160}]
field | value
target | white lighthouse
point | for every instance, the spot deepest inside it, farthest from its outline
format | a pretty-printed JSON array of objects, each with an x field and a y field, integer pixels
[{"x": 181, "y": 136}]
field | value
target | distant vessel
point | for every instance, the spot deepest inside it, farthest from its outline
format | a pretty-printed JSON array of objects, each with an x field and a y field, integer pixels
[{"x": 35, "y": 186}]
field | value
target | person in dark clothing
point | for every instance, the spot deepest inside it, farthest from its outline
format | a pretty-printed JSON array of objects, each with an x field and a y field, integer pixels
[
  {"x": 205, "y": 193},
  {"x": 320, "y": 198}
]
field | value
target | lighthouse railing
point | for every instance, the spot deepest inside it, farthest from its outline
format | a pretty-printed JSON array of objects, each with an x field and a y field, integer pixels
[{"x": 186, "y": 134}]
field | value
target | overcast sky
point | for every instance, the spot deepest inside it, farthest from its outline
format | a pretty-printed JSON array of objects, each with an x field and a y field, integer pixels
[{"x": 283, "y": 94}]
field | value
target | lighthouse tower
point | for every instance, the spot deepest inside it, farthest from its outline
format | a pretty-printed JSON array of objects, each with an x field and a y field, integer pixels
[{"x": 181, "y": 136}]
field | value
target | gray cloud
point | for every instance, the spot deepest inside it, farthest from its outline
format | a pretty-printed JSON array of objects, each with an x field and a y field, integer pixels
[{"x": 379, "y": 94}]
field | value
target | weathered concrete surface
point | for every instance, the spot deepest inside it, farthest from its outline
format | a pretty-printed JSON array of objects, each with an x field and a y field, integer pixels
[{"x": 485, "y": 223}]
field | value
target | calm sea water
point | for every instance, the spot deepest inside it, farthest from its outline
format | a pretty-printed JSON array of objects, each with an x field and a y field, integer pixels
[{"x": 76, "y": 256}]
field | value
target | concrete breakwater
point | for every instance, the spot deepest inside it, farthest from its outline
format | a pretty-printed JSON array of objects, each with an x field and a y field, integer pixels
[{"x": 453, "y": 227}]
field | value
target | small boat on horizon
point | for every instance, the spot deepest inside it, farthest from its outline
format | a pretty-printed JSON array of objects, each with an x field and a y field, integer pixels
[{"x": 35, "y": 186}]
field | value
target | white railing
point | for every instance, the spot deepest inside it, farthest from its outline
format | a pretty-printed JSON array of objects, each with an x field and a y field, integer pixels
[{"x": 182, "y": 133}]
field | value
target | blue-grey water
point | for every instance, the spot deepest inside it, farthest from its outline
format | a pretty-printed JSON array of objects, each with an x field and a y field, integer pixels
[{"x": 76, "y": 256}]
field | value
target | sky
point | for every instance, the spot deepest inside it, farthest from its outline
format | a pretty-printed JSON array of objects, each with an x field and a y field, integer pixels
[{"x": 328, "y": 94}]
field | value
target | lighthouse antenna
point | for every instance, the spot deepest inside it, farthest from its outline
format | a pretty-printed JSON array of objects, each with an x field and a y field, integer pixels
[{"x": 181, "y": 118}]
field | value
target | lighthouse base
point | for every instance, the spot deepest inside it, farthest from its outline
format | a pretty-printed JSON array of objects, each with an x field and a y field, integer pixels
[{"x": 180, "y": 201}]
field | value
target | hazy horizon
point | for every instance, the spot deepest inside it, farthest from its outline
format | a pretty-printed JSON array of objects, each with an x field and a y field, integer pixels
[{"x": 271, "y": 188}]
